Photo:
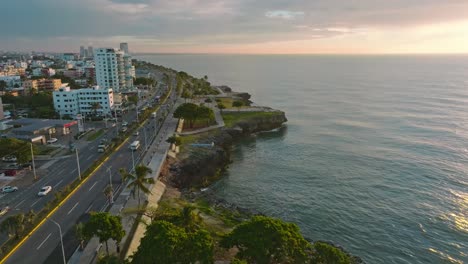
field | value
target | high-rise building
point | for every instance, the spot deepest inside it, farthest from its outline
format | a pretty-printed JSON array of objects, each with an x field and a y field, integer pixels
[
  {"x": 90, "y": 52},
  {"x": 124, "y": 47},
  {"x": 113, "y": 69},
  {"x": 82, "y": 52}
]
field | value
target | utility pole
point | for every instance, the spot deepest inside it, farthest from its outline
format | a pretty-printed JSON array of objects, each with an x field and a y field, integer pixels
[
  {"x": 61, "y": 240},
  {"x": 33, "y": 164},
  {"x": 78, "y": 163}
]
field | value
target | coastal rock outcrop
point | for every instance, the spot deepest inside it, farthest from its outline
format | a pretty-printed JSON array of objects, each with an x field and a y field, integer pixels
[{"x": 204, "y": 165}]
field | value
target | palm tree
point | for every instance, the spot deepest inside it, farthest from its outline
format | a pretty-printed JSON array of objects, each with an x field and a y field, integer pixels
[
  {"x": 29, "y": 217},
  {"x": 124, "y": 174},
  {"x": 189, "y": 218},
  {"x": 139, "y": 181},
  {"x": 79, "y": 234},
  {"x": 13, "y": 225},
  {"x": 108, "y": 191}
]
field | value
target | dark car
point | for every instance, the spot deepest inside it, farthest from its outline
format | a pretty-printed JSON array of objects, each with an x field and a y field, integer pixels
[{"x": 10, "y": 173}]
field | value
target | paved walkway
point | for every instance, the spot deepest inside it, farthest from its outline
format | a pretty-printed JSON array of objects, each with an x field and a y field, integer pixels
[{"x": 154, "y": 158}]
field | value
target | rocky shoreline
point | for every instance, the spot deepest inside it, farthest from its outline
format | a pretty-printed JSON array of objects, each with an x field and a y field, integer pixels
[{"x": 197, "y": 169}]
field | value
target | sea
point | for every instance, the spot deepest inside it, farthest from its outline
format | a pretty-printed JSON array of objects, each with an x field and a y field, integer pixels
[{"x": 374, "y": 157}]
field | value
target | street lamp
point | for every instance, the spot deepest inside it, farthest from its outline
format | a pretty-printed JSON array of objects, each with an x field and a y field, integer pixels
[
  {"x": 110, "y": 184},
  {"x": 133, "y": 161},
  {"x": 61, "y": 240},
  {"x": 78, "y": 163},
  {"x": 33, "y": 165}
]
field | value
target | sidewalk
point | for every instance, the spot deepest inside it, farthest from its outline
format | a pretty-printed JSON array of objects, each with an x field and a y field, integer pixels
[{"x": 154, "y": 159}]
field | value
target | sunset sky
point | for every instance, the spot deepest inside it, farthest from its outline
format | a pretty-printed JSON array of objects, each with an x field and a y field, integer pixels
[{"x": 238, "y": 26}]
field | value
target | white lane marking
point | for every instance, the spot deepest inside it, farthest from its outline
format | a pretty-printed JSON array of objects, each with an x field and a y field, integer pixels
[
  {"x": 43, "y": 241},
  {"x": 60, "y": 172},
  {"x": 73, "y": 208},
  {"x": 16, "y": 206},
  {"x": 92, "y": 186},
  {"x": 73, "y": 171},
  {"x": 35, "y": 203},
  {"x": 89, "y": 208},
  {"x": 58, "y": 183},
  {"x": 90, "y": 157}
]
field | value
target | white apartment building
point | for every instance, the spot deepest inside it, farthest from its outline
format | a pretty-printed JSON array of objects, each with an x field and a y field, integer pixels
[
  {"x": 86, "y": 101},
  {"x": 113, "y": 69},
  {"x": 11, "y": 81}
]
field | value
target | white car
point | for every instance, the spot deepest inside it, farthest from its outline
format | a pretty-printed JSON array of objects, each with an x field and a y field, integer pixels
[
  {"x": 44, "y": 191},
  {"x": 124, "y": 123},
  {"x": 9, "y": 159},
  {"x": 136, "y": 133},
  {"x": 52, "y": 140}
]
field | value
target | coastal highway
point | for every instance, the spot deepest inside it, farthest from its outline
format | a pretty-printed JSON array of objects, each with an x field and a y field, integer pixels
[
  {"x": 88, "y": 197},
  {"x": 60, "y": 174}
]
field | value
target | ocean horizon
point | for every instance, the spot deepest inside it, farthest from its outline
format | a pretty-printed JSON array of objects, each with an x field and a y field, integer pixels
[{"x": 374, "y": 155}]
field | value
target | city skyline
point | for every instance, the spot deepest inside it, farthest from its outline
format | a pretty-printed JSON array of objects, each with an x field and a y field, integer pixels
[{"x": 243, "y": 26}]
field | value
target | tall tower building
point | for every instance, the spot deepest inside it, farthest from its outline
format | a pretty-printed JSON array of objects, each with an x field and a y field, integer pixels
[
  {"x": 82, "y": 52},
  {"x": 124, "y": 47},
  {"x": 90, "y": 51},
  {"x": 113, "y": 69}
]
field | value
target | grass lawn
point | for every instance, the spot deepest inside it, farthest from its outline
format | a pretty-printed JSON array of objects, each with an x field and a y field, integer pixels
[
  {"x": 95, "y": 135},
  {"x": 232, "y": 118},
  {"x": 226, "y": 101},
  {"x": 44, "y": 149}
]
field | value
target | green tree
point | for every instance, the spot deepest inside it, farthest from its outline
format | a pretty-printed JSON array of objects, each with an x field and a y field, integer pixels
[
  {"x": 265, "y": 240},
  {"x": 105, "y": 226},
  {"x": 164, "y": 243},
  {"x": 205, "y": 113},
  {"x": 124, "y": 174},
  {"x": 80, "y": 234},
  {"x": 188, "y": 112},
  {"x": 325, "y": 253},
  {"x": 13, "y": 225},
  {"x": 138, "y": 181},
  {"x": 221, "y": 106},
  {"x": 3, "y": 85},
  {"x": 18, "y": 148},
  {"x": 133, "y": 99},
  {"x": 237, "y": 104},
  {"x": 174, "y": 140},
  {"x": 110, "y": 259}
]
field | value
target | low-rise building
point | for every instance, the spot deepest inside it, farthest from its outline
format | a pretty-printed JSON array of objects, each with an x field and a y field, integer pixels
[
  {"x": 47, "y": 72},
  {"x": 85, "y": 101},
  {"x": 42, "y": 84},
  {"x": 73, "y": 73}
]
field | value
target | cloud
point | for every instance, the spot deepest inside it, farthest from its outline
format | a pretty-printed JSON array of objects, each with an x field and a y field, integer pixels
[
  {"x": 284, "y": 14},
  {"x": 51, "y": 24}
]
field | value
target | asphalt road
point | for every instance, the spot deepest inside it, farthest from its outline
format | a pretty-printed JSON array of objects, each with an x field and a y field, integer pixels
[{"x": 89, "y": 197}]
